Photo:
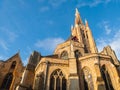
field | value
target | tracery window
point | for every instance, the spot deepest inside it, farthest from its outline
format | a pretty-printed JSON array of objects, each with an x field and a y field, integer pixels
[
  {"x": 57, "y": 80},
  {"x": 64, "y": 55},
  {"x": 106, "y": 78},
  {"x": 7, "y": 81},
  {"x": 87, "y": 77}
]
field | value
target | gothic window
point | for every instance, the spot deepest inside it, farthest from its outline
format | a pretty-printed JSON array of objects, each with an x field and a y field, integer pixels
[
  {"x": 77, "y": 53},
  {"x": 64, "y": 55},
  {"x": 13, "y": 65},
  {"x": 85, "y": 48},
  {"x": 7, "y": 81},
  {"x": 82, "y": 31},
  {"x": 106, "y": 78},
  {"x": 57, "y": 80},
  {"x": 87, "y": 77}
]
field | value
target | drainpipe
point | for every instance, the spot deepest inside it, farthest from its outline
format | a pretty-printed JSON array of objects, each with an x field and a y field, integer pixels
[{"x": 45, "y": 78}]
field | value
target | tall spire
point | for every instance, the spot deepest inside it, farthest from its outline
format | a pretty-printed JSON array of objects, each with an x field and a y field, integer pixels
[
  {"x": 77, "y": 18},
  {"x": 93, "y": 47}
]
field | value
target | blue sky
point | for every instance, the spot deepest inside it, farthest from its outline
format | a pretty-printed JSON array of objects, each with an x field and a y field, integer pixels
[{"x": 28, "y": 25}]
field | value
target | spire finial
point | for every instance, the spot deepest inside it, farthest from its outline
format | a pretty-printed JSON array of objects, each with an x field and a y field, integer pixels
[
  {"x": 77, "y": 12},
  {"x": 86, "y": 23},
  {"x": 77, "y": 17},
  {"x": 71, "y": 27}
]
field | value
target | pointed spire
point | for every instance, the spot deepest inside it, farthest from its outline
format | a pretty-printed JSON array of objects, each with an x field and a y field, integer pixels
[
  {"x": 71, "y": 27},
  {"x": 77, "y": 12},
  {"x": 77, "y": 17},
  {"x": 86, "y": 23}
]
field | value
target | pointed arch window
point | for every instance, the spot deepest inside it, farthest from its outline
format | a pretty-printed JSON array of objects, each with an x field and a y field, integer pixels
[
  {"x": 106, "y": 78},
  {"x": 7, "y": 81},
  {"x": 87, "y": 77},
  {"x": 77, "y": 53},
  {"x": 13, "y": 65},
  {"x": 64, "y": 55},
  {"x": 57, "y": 80}
]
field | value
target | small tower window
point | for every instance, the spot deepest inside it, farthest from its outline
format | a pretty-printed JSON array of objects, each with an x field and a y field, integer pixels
[
  {"x": 13, "y": 65},
  {"x": 64, "y": 55},
  {"x": 75, "y": 39},
  {"x": 85, "y": 48},
  {"x": 77, "y": 53}
]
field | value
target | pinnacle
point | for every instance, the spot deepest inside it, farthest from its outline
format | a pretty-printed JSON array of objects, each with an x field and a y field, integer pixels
[{"x": 77, "y": 12}]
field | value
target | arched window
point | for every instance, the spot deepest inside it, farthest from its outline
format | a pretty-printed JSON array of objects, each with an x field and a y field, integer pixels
[
  {"x": 57, "y": 80},
  {"x": 7, "y": 81},
  {"x": 106, "y": 78},
  {"x": 87, "y": 77},
  {"x": 77, "y": 53},
  {"x": 64, "y": 55},
  {"x": 13, "y": 65}
]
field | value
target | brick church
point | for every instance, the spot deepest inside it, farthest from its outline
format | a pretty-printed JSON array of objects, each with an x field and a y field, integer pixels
[{"x": 75, "y": 64}]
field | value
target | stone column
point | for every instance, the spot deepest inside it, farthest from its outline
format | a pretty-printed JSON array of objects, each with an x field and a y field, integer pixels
[
  {"x": 73, "y": 77},
  {"x": 22, "y": 83}
]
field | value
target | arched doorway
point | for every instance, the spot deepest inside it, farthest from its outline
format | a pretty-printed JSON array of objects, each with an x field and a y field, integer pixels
[
  {"x": 57, "y": 80},
  {"x": 106, "y": 78},
  {"x": 7, "y": 81}
]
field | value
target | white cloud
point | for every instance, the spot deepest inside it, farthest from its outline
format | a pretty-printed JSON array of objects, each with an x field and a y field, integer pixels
[
  {"x": 107, "y": 29},
  {"x": 3, "y": 44},
  {"x": 10, "y": 34},
  {"x": 56, "y": 3},
  {"x": 2, "y": 57},
  {"x": 105, "y": 26},
  {"x": 112, "y": 41},
  {"x": 49, "y": 43},
  {"x": 92, "y": 3}
]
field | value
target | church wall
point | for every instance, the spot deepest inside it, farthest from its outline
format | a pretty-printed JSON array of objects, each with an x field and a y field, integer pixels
[
  {"x": 89, "y": 63},
  {"x": 92, "y": 63},
  {"x": 112, "y": 73},
  {"x": 17, "y": 71},
  {"x": 53, "y": 64}
]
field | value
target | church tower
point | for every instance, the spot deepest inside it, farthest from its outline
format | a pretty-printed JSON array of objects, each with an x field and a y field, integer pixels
[
  {"x": 81, "y": 39},
  {"x": 75, "y": 64}
]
